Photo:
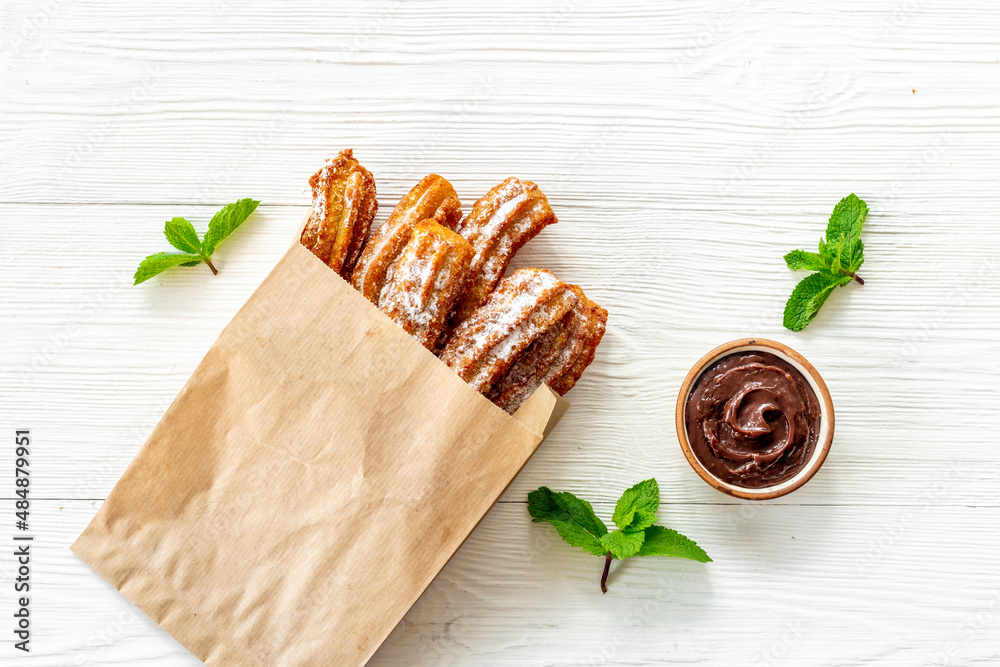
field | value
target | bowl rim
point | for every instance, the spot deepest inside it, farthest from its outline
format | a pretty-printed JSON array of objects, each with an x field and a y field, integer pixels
[{"x": 816, "y": 382}]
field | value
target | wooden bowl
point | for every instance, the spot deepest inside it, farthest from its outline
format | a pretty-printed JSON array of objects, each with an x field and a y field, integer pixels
[{"x": 815, "y": 381}]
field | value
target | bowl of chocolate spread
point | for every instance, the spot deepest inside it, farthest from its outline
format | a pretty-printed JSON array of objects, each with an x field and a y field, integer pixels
[{"x": 754, "y": 419}]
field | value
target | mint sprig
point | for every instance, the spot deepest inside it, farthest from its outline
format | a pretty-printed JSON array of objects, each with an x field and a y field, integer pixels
[
  {"x": 181, "y": 234},
  {"x": 635, "y": 515},
  {"x": 841, "y": 254}
]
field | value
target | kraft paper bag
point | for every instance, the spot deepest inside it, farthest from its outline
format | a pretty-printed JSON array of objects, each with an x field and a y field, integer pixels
[{"x": 316, "y": 472}]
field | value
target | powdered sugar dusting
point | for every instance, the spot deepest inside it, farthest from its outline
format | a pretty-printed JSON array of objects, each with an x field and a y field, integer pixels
[
  {"x": 425, "y": 281},
  {"x": 500, "y": 223},
  {"x": 433, "y": 197},
  {"x": 525, "y": 304}
]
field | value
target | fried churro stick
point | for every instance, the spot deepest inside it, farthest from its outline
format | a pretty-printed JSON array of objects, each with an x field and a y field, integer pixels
[
  {"x": 344, "y": 206},
  {"x": 524, "y": 306},
  {"x": 433, "y": 197},
  {"x": 557, "y": 358},
  {"x": 425, "y": 280},
  {"x": 502, "y": 221},
  {"x": 597, "y": 321}
]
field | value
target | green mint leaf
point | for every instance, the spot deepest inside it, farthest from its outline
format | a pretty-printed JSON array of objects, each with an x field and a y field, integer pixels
[
  {"x": 844, "y": 227},
  {"x": 545, "y": 504},
  {"x": 575, "y": 521},
  {"x": 841, "y": 254},
  {"x": 842, "y": 248},
  {"x": 624, "y": 543},
  {"x": 798, "y": 260},
  {"x": 160, "y": 262},
  {"x": 847, "y": 219},
  {"x": 808, "y": 296},
  {"x": 857, "y": 256},
  {"x": 181, "y": 235},
  {"x": 225, "y": 223},
  {"x": 662, "y": 541},
  {"x": 636, "y": 509},
  {"x": 576, "y": 536},
  {"x": 836, "y": 250},
  {"x": 573, "y": 518}
]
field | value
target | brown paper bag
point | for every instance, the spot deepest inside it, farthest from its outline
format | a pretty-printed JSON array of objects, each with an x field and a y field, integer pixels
[{"x": 308, "y": 483}]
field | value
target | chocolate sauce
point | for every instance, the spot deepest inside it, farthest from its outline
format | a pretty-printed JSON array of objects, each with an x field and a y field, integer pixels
[{"x": 752, "y": 419}]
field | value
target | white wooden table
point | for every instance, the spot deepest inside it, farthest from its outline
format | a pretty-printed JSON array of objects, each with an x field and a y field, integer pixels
[{"x": 685, "y": 147}]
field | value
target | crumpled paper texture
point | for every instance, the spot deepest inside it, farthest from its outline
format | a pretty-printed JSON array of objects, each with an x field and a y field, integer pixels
[{"x": 313, "y": 476}]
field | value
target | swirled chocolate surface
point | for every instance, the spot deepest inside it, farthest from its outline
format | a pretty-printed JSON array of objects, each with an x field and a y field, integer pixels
[{"x": 752, "y": 419}]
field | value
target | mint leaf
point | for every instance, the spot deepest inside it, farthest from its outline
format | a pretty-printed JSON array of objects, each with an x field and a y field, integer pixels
[
  {"x": 160, "y": 262},
  {"x": 808, "y": 296},
  {"x": 573, "y": 518},
  {"x": 574, "y": 535},
  {"x": 225, "y": 223},
  {"x": 835, "y": 251},
  {"x": 662, "y": 541},
  {"x": 635, "y": 513},
  {"x": 841, "y": 254},
  {"x": 847, "y": 218},
  {"x": 544, "y": 504},
  {"x": 636, "y": 509},
  {"x": 844, "y": 228},
  {"x": 798, "y": 260},
  {"x": 624, "y": 543},
  {"x": 181, "y": 235},
  {"x": 857, "y": 257}
]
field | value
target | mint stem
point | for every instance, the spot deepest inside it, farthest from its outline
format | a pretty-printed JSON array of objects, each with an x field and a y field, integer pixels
[
  {"x": 856, "y": 277},
  {"x": 607, "y": 568},
  {"x": 215, "y": 271}
]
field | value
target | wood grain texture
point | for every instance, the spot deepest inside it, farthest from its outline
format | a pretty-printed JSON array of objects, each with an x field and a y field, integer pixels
[
  {"x": 685, "y": 147},
  {"x": 790, "y": 585}
]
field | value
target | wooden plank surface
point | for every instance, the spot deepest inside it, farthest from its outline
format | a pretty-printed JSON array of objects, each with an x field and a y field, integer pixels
[
  {"x": 685, "y": 147},
  {"x": 855, "y": 587}
]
